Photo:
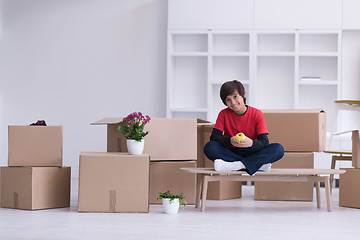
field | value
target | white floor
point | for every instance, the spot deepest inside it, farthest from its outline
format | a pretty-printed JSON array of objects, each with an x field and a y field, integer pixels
[{"x": 241, "y": 218}]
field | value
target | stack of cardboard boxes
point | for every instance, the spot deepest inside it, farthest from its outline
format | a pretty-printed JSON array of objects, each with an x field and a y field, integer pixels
[
  {"x": 176, "y": 143},
  {"x": 35, "y": 177},
  {"x": 301, "y": 132},
  {"x": 220, "y": 190},
  {"x": 349, "y": 188},
  {"x": 170, "y": 145}
]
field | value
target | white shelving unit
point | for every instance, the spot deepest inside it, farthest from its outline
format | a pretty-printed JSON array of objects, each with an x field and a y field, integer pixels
[
  {"x": 320, "y": 56},
  {"x": 198, "y": 63},
  {"x": 278, "y": 43},
  {"x": 274, "y": 69},
  {"x": 272, "y": 65}
]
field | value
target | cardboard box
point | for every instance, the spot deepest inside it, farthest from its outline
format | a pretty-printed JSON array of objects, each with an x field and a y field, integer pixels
[
  {"x": 34, "y": 188},
  {"x": 216, "y": 190},
  {"x": 168, "y": 139},
  {"x": 222, "y": 190},
  {"x": 204, "y": 131},
  {"x": 167, "y": 175},
  {"x": 297, "y": 130},
  {"x": 349, "y": 188},
  {"x": 35, "y": 146},
  {"x": 113, "y": 182},
  {"x": 356, "y": 148},
  {"x": 288, "y": 191}
]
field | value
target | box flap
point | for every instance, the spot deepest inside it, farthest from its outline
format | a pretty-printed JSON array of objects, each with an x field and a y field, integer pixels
[
  {"x": 309, "y": 124},
  {"x": 293, "y": 111},
  {"x": 105, "y": 121},
  {"x": 116, "y": 120},
  {"x": 111, "y": 154},
  {"x": 205, "y": 124},
  {"x": 202, "y": 121}
]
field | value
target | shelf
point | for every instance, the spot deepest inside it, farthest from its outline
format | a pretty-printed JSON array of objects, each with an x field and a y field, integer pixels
[
  {"x": 189, "y": 54},
  {"x": 321, "y": 82},
  {"x": 235, "y": 42},
  {"x": 323, "y": 67},
  {"x": 275, "y": 54},
  {"x": 189, "y": 42},
  {"x": 319, "y": 42},
  {"x": 189, "y": 76},
  {"x": 228, "y": 54},
  {"x": 318, "y": 54},
  {"x": 229, "y": 68},
  {"x": 276, "y": 42},
  {"x": 276, "y": 83}
]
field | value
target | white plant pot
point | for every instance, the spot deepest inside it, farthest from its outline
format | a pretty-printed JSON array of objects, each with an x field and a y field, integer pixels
[
  {"x": 134, "y": 147},
  {"x": 170, "y": 207}
]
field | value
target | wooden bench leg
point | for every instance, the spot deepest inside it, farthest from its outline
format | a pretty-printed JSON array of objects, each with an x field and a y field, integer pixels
[
  {"x": 198, "y": 189},
  {"x": 327, "y": 193},
  {"x": 318, "y": 200},
  {"x": 205, "y": 183}
]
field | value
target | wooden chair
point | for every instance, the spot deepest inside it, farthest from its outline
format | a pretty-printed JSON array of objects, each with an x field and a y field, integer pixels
[
  {"x": 353, "y": 155},
  {"x": 339, "y": 156}
]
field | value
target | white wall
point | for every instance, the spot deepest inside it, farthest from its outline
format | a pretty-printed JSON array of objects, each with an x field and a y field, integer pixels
[
  {"x": 72, "y": 62},
  {"x": 1, "y": 3},
  {"x": 350, "y": 77}
]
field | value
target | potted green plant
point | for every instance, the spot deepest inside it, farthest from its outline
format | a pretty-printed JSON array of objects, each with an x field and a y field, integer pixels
[
  {"x": 171, "y": 202},
  {"x": 132, "y": 127}
]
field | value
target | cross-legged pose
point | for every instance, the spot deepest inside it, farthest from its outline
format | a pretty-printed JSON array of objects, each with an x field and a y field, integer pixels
[{"x": 252, "y": 153}]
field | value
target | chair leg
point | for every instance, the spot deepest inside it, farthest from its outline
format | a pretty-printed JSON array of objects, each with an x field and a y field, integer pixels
[
  {"x": 333, "y": 163},
  {"x": 318, "y": 200}
]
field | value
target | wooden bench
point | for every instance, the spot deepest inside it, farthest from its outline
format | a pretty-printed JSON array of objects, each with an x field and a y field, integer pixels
[{"x": 206, "y": 175}]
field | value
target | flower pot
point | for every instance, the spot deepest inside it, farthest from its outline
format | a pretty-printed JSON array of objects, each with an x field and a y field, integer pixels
[
  {"x": 134, "y": 147},
  {"x": 170, "y": 207}
]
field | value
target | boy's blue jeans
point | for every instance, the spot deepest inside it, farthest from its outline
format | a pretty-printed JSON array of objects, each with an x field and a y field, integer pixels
[{"x": 252, "y": 161}]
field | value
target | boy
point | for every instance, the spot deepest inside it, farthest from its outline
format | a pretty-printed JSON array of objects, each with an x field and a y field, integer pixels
[{"x": 254, "y": 152}]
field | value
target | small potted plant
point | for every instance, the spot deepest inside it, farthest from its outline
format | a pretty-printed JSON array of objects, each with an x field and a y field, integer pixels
[
  {"x": 171, "y": 202},
  {"x": 132, "y": 127}
]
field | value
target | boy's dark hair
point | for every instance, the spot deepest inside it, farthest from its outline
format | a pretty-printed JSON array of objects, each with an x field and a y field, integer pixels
[{"x": 230, "y": 87}]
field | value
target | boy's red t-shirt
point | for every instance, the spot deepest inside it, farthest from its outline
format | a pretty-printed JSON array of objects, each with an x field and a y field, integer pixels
[{"x": 252, "y": 123}]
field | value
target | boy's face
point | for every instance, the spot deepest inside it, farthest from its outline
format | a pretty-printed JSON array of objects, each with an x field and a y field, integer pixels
[{"x": 236, "y": 103}]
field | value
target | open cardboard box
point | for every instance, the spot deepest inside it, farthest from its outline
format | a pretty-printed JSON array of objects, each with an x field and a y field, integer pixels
[{"x": 168, "y": 139}]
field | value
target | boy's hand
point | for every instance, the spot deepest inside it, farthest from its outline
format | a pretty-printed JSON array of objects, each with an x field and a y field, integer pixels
[{"x": 248, "y": 142}]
